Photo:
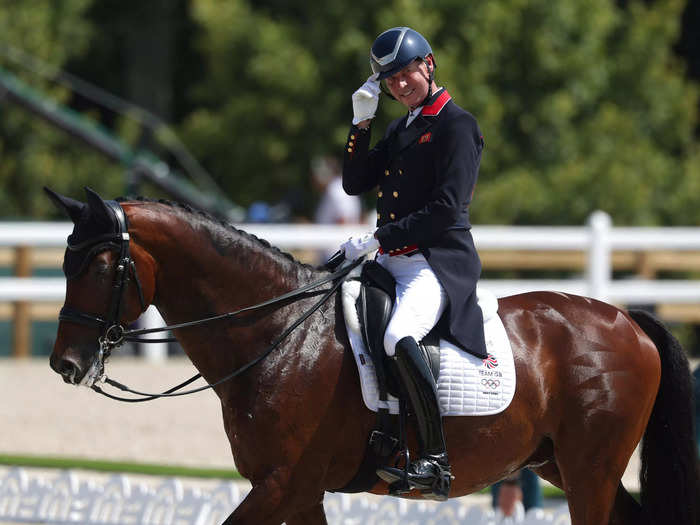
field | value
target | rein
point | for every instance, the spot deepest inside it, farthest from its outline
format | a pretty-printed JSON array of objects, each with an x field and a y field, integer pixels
[
  {"x": 338, "y": 276},
  {"x": 114, "y": 334},
  {"x": 128, "y": 335}
]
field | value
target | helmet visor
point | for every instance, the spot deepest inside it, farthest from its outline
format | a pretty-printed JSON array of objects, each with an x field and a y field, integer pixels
[{"x": 388, "y": 69}]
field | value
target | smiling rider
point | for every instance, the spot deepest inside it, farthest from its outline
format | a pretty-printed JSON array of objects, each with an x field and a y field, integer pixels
[{"x": 425, "y": 169}]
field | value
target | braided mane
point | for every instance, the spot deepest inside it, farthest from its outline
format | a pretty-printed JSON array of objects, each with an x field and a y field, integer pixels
[{"x": 209, "y": 220}]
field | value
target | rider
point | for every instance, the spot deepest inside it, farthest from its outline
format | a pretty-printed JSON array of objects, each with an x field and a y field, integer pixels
[{"x": 425, "y": 168}]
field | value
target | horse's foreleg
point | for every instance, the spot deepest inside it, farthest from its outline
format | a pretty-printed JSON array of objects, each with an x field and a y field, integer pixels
[
  {"x": 277, "y": 499},
  {"x": 312, "y": 516},
  {"x": 262, "y": 505}
]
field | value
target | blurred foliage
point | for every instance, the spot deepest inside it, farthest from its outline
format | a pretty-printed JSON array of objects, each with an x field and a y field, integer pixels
[
  {"x": 32, "y": 154},
  {"x": 582, "y": 103}
]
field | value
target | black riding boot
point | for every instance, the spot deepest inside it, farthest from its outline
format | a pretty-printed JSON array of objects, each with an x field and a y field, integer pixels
[{"x": 430, "y": 473}]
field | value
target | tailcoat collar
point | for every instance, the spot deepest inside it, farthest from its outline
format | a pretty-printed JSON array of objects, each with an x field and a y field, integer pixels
[
  {"x": 405, "y": 136},
  {"x": 438, "y": 101}
]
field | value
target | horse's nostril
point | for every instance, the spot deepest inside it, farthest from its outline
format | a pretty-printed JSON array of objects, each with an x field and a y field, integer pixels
[{"x": 67, "y": 368}]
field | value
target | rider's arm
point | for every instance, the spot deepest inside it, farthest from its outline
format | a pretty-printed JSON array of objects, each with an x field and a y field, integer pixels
[{"x": 362, "y": 166}]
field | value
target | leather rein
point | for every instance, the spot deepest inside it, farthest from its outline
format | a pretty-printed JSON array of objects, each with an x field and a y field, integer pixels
[{"x": 113, "y": 334}]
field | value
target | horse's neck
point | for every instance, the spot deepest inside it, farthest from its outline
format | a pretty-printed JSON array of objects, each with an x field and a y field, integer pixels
[{"x": 204, "y": 271}]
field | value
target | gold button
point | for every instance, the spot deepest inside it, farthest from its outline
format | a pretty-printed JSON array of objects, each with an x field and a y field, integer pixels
[
  {"x": 351, "y": 143},
  {"x": 350, "y": 150},
  {"x": 396, "y": 194},
  {"x": 386, "y": 172},
  {"x": 400, "y": 172},
  {"x": 352, "y": 137},
  {"x": 392, "y": 215},
  {"x": 405, "y": 248},
  {"x": 380, "y": 194},
  {"x": 379, "y": 216}
]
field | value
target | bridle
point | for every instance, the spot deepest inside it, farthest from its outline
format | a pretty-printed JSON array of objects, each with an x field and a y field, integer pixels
[{"x": 113, "y": 334}]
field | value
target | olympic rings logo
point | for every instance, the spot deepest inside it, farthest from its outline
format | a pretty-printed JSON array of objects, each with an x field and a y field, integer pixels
[{"x": 491, "y": 383}]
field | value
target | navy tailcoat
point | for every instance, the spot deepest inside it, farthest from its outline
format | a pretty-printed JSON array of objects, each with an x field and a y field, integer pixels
[{"x": 425, "y": 174}]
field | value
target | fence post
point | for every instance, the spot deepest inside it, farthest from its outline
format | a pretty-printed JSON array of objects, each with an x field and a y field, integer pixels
[
  {"x": 154, "y": 352},
  {"x": 21, "y": 323},
  {"x": 599, "y": 267}
]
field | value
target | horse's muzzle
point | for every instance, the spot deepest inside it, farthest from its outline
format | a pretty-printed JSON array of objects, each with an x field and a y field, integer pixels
[{"x": 69, "y": 369}]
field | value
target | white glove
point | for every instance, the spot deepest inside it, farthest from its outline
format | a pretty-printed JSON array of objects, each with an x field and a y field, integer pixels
[
  {"x": 366, "y": 99},
  {"x": 359, "y": 245}
]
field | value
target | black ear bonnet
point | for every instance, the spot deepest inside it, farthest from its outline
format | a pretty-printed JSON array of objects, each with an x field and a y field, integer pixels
[
  {"x": 95, "y": 229},
  {"x": 90, "y": 236}
]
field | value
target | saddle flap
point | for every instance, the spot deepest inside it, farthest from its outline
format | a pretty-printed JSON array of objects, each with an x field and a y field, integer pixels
[
  {"x": 430, "y": 347},
  {"x": 375, "y": 275},
  {"x": 374, "y": 307}
]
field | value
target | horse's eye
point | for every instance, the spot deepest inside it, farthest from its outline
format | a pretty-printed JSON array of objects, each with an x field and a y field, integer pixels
[{"x": 101, "y": 269}]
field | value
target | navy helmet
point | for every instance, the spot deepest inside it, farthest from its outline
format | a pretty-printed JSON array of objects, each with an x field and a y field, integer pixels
[{"x": 396, "y": 48}]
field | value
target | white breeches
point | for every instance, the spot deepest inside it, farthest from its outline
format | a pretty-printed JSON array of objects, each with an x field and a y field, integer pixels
[{"x": 420, "y": 299}]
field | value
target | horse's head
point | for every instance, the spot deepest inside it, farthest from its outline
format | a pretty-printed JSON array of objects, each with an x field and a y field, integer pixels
[{"x": 103, "y": 290}]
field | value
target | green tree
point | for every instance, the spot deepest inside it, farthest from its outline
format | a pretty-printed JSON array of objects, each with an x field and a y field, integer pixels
[
  {"x": 32, "y": 154},
  {"x": 582, "y": 103},
  {"x": 255, "y": 101}
]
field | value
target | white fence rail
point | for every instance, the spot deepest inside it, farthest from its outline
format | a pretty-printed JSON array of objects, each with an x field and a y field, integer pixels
[{"x": 598, "y": 239}]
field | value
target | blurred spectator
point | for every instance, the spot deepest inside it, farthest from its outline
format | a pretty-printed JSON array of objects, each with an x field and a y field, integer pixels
[
  {"x": 263, "y": 212},
  {"x": 532, "y": 492},
  {"x": 529, "y": 485},
  {"x": 510, "y": 507},
  {"x": 336, "y": 206},
  {"x": 258, "y": 211}
]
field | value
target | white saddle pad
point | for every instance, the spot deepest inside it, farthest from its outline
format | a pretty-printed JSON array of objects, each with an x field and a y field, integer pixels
[{"x": 468, "y": 385}]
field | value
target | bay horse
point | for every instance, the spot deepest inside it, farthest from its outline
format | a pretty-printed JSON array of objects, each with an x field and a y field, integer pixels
[{"x": 592, "y": 379}]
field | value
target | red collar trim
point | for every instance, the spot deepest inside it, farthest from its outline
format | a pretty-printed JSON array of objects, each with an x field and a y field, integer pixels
[{"x": 436, "y": 107}]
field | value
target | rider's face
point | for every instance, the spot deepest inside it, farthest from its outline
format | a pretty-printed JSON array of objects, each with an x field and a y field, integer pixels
[{"x": 410, "y": 85}]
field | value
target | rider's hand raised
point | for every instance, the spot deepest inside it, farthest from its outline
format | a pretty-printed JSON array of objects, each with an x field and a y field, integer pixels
[{"x": 365, "y": 100}]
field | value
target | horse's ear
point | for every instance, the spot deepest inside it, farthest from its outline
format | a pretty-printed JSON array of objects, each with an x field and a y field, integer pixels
[
  {"x": 70, "y": 207},
  {"x": 98, "y": 208}
]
